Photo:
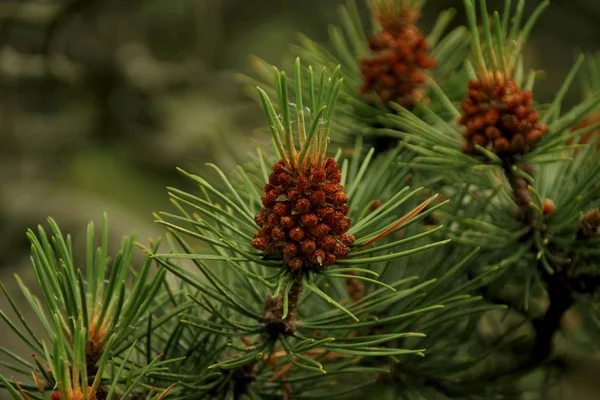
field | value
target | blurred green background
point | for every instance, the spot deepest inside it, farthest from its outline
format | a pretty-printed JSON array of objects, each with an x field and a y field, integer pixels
[{"x": 100, "y": 100}]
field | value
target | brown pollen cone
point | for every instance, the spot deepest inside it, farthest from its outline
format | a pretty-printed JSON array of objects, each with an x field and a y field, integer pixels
[
  {"x": 399, "y": 56},
  {"x": 304, "y": 218},
  {"x": 75, "y": 395},
  {"x": 589, "y": 224},
  {"x": 499, "y": 117}
]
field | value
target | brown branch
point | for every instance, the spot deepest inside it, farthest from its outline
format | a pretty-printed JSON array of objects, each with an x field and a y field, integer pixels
[
  {"x": 273, "y": 320},
  {"x": 354, "y": 287},
  {"x": 523, "y": 198}
]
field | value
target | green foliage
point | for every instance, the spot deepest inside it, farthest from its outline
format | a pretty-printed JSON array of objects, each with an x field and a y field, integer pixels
[
  {"x": 348, "y": 45},
  {"x": 238, "y": 278},
  {"x": 458, "y": 294},
  {"x": 90, "y": 318}
]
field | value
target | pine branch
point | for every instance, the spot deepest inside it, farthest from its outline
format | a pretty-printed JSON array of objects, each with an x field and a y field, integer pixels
[
  {"x": 280, "y": 312},
  {"x": 562, "y": 283},
  {"x": 523, "y": 198},
  {"x": 383, "y": 62}
]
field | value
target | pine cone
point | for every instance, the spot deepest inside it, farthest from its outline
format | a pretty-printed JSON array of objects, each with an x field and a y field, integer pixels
[
  {"x": 589, "y": 224},
  {"x": 499, "y": 117},
  {"x": 400, "y": 54},
  {"x": 304, "y": 218}
]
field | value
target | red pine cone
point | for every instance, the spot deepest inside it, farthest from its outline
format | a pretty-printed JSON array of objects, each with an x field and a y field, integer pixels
[
  {"x": 500, "y": 118},
  {"x": 399, "y": 55},
  {"x": 304, "y": 218}
]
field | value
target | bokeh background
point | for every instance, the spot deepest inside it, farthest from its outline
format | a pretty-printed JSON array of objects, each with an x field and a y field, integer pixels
[{"x": 100, "y": 100}]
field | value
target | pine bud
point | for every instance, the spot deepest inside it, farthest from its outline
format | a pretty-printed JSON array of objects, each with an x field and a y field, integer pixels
[{"x": 548, "y": 206}]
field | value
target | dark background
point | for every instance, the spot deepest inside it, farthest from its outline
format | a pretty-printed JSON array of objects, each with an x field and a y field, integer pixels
[{"x": 100, "y": 100}]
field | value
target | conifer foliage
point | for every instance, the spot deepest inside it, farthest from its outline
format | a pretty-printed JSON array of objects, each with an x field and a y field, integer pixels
[{"x": 440, "y": 265}]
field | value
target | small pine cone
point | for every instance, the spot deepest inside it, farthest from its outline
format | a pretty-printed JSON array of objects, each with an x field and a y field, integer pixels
[
  {"x": 318, "y": 198},
  {"x": 269, "y": 199},
  {"x": 533, "y": 136},
  {"x": 334, "y": 176},
  {"x": 287, "y": 222},
  {"x": 293, "y": 195},
  {"x": 260, "y": 242},
  {"x": 347, "y": 239},
  {"x": 332, "y": 188},
  {"x": 341, "y": 226},
  {"x": 502, "y": 144},
  {"x": 480, "y": 139},
  {"x": 325, "y": 212},
  {"x": 339, "y": 198},
  {"x": 498, "y": 116},
  {"x": 318, "y": 176},
  {"x": 295, "y": 263},
  {"x": 327, "y": 243},
  {"x": 318, "y": 231},
  {"x": 340, "y": 250},
  {"x": 548, "y": 206},
  {"x": 284, "y": 180},
  {"x": 273, "y": 219},
  {"x": 309, "y": 219},
  {"x": 304, "y": 218},
  {"x": 291, "y": 249},
  {"x": 297, "y": 234},
  {"x": 302, "y": 183},
  {"x": 492, "y": 132},
  {"x": 344, "y": 209},
  {"x": 278, "y": 234},
  {"x": 282, "y": 209},
  {"x": 399, "y": 56},
  {"x": 308, "y": 247},
  {"x": 330, "y": 259},
  {"x": 317, "y": 259},
  {"x": 589, "y": 224},
  {"x": 303, "y": 205}
]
